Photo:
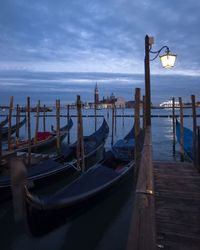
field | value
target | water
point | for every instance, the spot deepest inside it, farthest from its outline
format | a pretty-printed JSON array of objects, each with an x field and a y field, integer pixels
[{"x": 105, "y": 225}]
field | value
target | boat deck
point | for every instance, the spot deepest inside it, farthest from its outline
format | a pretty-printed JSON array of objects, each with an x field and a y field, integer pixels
[{"x": 177, "y": 205}]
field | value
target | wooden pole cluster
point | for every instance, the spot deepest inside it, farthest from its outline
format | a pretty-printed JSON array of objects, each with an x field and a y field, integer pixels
[
  {"x": 80, "y": 141},
  {"x": 137, "y": 126},
  {"x": 29, "y": 130},
  {"x": 58, "y": 125},
  {"x": 37, "y": 122},
  {"x": 181, "y": 130},
  {"x": 10, "y": 123}
]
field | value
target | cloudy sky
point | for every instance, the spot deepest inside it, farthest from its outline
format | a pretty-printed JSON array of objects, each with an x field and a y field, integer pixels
[{"x": 97, "y": 35}]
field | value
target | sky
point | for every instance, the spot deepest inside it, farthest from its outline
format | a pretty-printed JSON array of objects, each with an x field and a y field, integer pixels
[{"x": 97, "y": 36}]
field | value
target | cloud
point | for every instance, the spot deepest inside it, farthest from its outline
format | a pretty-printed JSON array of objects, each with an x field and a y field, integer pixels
[{"x": 107, "y": 35}]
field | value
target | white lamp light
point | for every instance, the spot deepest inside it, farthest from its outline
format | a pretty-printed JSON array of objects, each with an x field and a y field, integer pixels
[{"x": 168, "y": 60}]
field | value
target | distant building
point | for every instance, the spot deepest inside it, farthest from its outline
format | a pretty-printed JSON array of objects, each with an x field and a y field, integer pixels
[{"x": 112, "y": 100}]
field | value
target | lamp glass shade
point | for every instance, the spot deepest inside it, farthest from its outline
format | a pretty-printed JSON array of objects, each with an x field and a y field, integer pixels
[{"x": 168, "y": 60}]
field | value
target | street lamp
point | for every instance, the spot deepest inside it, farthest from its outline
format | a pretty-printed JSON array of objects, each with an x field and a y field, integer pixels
[{"x": 167, "y": 60}]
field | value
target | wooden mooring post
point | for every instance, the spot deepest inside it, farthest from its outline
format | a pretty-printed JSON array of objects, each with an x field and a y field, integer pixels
[
  {"x": 107, "y": 113},
  {"x": 194, "y": 129},
  {"x": 68, "y": 117},
  {"x": 198, "y": 148},
  {"x": 181, "y": 130},
  {"x": 10, "y": 123},
  {"x": 44, "y": 118},
  {"x": 173, "y": 125},
  {"x": 37, "y": 122},
  {"x": 115, "y": 118},
  {"x": 113, "y": 124},
  {"x": 80, "y": 142},
  {"x": 17, "y": 122},
  {"x": 137, "y": 126},
  {"x": 95, "y": 116},
  {"x": 58, "y": 125},
  {"x": 123, "y": 116},
  {"x": 144, "y": 112},
  {"x": 29, "y": 130}
]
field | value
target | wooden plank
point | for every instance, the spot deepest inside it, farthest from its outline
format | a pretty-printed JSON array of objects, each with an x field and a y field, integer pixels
[{"x": 177, "y": 205}]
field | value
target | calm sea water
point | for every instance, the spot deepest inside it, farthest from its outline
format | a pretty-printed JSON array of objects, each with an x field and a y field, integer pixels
[{"x": 105, "y": 226}]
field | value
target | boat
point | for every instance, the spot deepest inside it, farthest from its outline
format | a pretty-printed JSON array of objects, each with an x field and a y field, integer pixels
[
  {"x": 4, "y": 122},
  {"x": 64, "y": 163},
  {"x": 169, "y": 104},
  {"x": 45, "y": 140},
  {"x": 124, "y": 148},
  {"x": 43, "y": 214},
  {"x": 4, "y": 130},
  {"x": 187, "y": 138}
]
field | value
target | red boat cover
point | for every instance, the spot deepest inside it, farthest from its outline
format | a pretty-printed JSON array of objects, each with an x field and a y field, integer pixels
[{"x": 43, "y": 136}]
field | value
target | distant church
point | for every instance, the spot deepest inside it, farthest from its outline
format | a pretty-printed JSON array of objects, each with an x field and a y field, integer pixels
[
  {"x": 109, "y": 101},
  {"x": 96, "y": 94}
]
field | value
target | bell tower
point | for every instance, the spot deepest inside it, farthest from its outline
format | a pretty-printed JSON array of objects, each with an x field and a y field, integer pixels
[{"x": 96, "y": 94}]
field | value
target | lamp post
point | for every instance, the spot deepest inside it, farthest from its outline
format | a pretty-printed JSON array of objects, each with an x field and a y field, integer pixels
[{"x": 167, "y": 61}]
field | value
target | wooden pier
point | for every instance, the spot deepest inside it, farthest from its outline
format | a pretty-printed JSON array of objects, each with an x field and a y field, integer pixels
[
  {"x": 166, "y": 212},
  {"x": 177, "y": 205}
]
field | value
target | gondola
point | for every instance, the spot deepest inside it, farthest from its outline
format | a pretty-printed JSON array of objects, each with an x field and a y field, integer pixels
[
  {"x": 45, "y": 140},
  {"x": 124, "y": 148},
  {"x": 43, "y": 214},
  {"x": 65, "y": 163},
  {"x": 4, "y": 130},
  {"x": 187, "y": 138},
  {"x": 4, "y": 122}
]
